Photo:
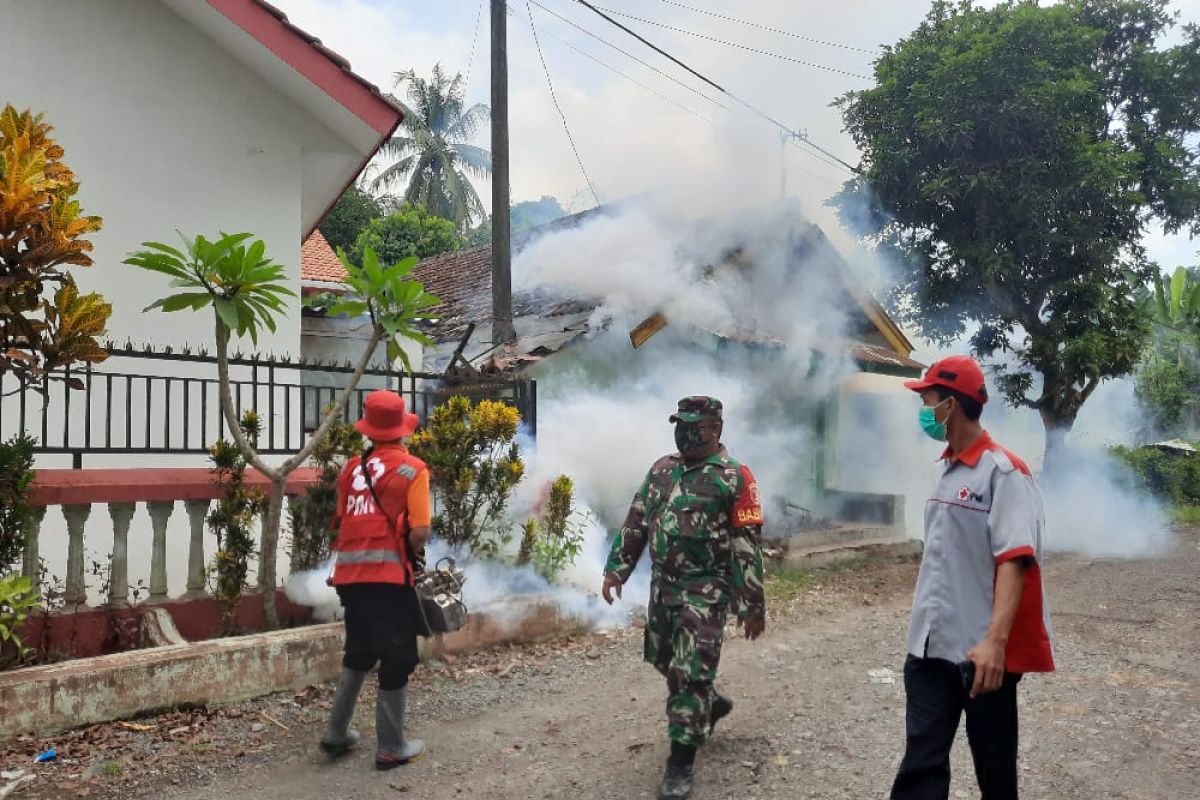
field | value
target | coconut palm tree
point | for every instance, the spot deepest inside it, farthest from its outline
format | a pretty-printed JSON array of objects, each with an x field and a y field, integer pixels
[{"x": 432, "y": 150}]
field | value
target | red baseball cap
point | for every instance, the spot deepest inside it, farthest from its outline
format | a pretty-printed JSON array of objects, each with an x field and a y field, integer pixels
[
  {"x": 960, "y": 373},
  {"x": 385, "y": 418}
]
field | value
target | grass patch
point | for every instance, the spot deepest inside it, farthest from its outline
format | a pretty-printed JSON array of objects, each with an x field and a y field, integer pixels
[
  {"x": 111, "y": 769},
  {"x": 848, "y": 565},
  {"x": 786, "y": 584},
  {"x": 1186, "y": 515}
]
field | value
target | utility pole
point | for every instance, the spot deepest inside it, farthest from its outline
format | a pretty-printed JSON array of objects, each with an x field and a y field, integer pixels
[
  {"x": 502, "y": 315},
  {"x": 784, "y": 137}
]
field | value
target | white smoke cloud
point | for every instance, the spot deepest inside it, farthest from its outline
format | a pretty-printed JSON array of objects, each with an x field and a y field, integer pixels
[
  {"x": 309, "y": 588},
  {"x": 603, "y": 406},
  {"x": 1092, "y": 509}
]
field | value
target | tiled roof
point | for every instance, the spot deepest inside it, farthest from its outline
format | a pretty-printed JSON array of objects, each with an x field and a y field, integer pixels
[
  {"x": 463, "y": 281},
  {"x": 318, "y": 262}
]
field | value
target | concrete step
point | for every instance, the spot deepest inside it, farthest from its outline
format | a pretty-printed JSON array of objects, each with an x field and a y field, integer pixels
[
  {"x": 880, "y": 549},
  {"x": 838, "y": 534}
]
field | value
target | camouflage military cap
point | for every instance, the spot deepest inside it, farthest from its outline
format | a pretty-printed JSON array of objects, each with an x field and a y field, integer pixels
[{"x": 698, "y": 409}]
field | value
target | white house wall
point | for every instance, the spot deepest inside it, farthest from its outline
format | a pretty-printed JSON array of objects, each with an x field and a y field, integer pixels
[{"x": 165, "y": 131}]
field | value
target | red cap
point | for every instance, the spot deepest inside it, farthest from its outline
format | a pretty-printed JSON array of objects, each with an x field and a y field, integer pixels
[
  {"x": 385, "y": 418},
  {"x": 960, "y": 373}
]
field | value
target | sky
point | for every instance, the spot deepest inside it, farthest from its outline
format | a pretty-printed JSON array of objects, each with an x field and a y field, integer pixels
[{"x": 635, "y": 138}]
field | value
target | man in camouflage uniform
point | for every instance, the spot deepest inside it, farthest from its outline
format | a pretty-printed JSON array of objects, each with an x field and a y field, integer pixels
[{"x": 699, "y": 512}]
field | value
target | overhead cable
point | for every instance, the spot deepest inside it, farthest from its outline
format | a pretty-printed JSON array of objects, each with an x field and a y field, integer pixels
[
  {"x": 624, "y": 75},
  {"x": 627, "y": 54},
  {"x": 554, "y": 97},
  {"x": 781, "y": 32},
  {"x": 745, "y": 47},
  {"x": 753, "y": 109}
]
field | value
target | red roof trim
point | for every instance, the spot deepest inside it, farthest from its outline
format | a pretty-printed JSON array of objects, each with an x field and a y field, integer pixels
[{"x": 305, "y": 54}]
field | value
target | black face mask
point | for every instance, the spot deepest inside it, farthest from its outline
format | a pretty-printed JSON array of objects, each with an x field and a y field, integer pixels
[{"x": 689, "y": 436}]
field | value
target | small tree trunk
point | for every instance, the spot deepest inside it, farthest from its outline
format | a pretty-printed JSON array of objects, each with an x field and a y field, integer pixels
[
  {"x": 268, "y": 550},
  {"x": 1056, "y": 455}
]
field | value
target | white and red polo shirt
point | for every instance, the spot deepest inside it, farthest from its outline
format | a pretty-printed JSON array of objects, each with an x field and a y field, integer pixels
[{"x": 986, "y": 509}]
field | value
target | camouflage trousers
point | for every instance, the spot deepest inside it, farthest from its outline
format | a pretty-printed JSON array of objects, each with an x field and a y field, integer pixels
[{"x": 683, "y": 642}]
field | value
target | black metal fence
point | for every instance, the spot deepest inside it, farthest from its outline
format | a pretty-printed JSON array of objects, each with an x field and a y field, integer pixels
[{"x": 149, "y": 402}]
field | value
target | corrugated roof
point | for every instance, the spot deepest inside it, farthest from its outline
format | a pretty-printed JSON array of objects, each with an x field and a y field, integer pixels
[
  {"x": 874, "y": 354},
  {"x": 318, "y": 262}
]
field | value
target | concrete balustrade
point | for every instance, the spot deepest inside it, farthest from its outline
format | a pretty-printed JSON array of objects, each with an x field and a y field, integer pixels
[
  {"x": 160, "y": 515},
  {"x": 76, "y": 593},
  {"x": 197, "y": 511},
  {"x": 118, "y": 576},
  {"x": 122, "y": 491}
]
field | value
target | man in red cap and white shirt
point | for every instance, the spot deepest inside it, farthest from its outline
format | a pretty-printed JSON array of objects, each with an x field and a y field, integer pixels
[
  {"x": 383, "y": 519},
  {"x": 979, "y": 620}
]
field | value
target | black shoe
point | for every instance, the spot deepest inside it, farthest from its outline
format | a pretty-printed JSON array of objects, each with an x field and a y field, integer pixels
[
  {"x": 676, "y": 783},
  {"x": 721, "y": 707}
]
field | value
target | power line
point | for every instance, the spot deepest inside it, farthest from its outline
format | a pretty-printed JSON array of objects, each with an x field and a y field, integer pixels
[
  {"x": 474, "y": 39},
  {"x": 797, "y": 143},
  {"x": 554, "y": 97},
  {"x": 627, "y": 77},
  {"x": 627, "y": 54},
  {"x": 772, "y": 30},
  {"x": 753, "y": 109},
  {"x": 747, "y": 48}
]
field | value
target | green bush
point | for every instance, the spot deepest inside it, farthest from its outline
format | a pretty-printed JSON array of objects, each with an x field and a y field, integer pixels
[
  {"x": 16, "y": 515},
  {"x": 1169, "y": 474},
  {"x": 232, "y": 521},
  {"x": 17, "y": 599},
  {"x": 312, "y": 515},
  {"x": 411, "y": 231}
]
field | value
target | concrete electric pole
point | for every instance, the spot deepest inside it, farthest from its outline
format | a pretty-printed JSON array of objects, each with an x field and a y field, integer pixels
[{"x": 502, "y": 315}]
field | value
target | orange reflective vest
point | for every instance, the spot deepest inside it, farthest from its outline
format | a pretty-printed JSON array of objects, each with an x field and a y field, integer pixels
[{"x": 371, "y": 547}]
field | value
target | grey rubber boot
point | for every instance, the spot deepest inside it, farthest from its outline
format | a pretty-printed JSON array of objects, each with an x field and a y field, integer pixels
[
  {"x": 394, "y": 749},
  {"x": 339, "y": 737}
]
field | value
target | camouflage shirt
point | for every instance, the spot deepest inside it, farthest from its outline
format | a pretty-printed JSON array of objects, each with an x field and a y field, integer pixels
[{"x": 703, "y": 524}]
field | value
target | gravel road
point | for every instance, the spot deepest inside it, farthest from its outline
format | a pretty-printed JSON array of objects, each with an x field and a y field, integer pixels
[{"x": 582, "y": 718}]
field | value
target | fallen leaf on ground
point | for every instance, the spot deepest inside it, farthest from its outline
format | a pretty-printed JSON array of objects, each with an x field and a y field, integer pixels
[{"x": 135, "y": 726}]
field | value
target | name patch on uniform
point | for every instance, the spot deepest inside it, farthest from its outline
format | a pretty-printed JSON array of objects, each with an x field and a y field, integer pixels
[
  {"x": 407, "y": 471},
  {"x": 748, "y": 508}
]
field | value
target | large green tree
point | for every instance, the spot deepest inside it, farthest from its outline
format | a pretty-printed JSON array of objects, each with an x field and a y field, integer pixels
[
  {"x": 349, "y": 215},
  {"x": 1015, "y": 155},
  {"x": 433, "y": 154},
  {"x": 411, "y": 231},
  {"x": 529, "y": 214}
]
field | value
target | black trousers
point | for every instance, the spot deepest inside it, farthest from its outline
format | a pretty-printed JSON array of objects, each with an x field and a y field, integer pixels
[
  {"x": 381, "y": 626},
  {"x": 936, "y": 702}
]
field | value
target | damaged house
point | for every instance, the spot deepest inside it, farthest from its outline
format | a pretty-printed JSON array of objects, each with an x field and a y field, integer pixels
[{"x": 562, "y": 334}]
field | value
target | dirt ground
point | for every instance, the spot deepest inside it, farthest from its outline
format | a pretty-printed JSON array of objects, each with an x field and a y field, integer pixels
[{"x": 582, "y": 718}]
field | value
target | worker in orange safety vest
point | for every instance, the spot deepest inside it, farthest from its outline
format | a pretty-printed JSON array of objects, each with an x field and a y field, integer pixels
[{"x": 383, "y": 520}]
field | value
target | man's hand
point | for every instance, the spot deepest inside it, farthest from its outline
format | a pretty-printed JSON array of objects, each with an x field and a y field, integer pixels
[
  {"x": 988, "y": 657},
  {"x": 611, "y": 584},
  {"x": 755, "y": 627}
]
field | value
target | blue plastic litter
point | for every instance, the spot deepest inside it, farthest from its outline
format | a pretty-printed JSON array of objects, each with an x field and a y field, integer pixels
[{"x": 49, "y": 755}]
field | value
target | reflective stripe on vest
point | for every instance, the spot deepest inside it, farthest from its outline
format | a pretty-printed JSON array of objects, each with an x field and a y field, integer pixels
[{"x": 368, "y": 557}]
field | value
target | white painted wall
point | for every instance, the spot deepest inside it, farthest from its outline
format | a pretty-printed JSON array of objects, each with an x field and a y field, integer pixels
[{"x": 165, "y": 131}]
